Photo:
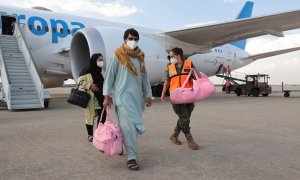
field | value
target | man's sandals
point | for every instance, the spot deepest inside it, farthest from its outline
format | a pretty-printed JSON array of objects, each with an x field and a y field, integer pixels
[{"x": 132, "y": 165}]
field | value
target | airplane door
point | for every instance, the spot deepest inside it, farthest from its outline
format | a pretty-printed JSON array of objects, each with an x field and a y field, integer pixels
[
  {"x": 1, "y": 24},
  {"x": 7, "y": 24}
]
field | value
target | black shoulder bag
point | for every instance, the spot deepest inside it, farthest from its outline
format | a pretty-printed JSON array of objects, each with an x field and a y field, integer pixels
[{"x": 79, "y": 98}]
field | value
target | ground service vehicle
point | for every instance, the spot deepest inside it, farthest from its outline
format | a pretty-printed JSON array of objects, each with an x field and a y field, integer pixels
[{"x": 255, "y": 85}]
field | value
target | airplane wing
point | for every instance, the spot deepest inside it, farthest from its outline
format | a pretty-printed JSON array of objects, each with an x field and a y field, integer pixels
[
  {"x": 270, "y": 54},
  {"x": 222, "y": 33}
]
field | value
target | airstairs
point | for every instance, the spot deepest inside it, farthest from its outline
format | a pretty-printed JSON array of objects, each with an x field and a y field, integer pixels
[
  {"x": 21, "y": 86},
  {"x": 233, "y": 77}
]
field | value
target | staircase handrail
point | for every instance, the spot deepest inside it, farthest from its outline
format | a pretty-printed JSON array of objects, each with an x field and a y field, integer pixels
[
  {"x": 39, "y": 84},
  {"x": 5, "y": 81}
]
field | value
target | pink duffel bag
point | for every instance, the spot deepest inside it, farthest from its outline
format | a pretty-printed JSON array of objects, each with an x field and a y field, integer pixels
[
  {"x": 202, "y": 88},
  {"x": 107, "y": 137}
]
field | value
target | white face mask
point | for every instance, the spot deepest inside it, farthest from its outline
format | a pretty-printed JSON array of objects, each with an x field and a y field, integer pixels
[
  {"x": 100, "y": 64},
  {"x": 174, "y": 60},
  {"x": 132, "y": 44}
]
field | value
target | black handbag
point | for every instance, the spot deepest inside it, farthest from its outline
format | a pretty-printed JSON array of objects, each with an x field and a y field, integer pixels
[{"x": 79, "y": 98}]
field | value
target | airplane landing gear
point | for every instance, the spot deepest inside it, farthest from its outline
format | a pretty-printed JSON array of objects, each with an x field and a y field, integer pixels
[
  {"x": 46, "y": 102},
  {"x": 46, "y": 98}
]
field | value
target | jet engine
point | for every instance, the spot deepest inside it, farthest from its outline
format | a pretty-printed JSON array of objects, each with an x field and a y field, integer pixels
[{"x": 104, "y": 40}]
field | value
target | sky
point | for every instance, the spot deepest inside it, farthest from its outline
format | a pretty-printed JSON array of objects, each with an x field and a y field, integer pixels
[{"x": 176, "y": 14}]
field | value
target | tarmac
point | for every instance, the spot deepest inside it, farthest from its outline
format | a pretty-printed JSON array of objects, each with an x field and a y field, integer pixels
[{"x": 240, "y": 138}]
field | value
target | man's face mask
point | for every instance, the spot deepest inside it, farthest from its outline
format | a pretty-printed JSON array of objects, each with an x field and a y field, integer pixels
[{"x": 132, "y": 44}]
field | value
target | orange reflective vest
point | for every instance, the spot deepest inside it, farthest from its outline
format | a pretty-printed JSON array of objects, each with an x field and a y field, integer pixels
[{"x": 176, "y": 80}]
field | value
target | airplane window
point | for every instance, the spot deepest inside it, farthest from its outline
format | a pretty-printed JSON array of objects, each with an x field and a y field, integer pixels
[
  {"x": 54, "y": 30},
  {"x": 38, "y": 28},
  {"x": 30, "y": 26},
  {"x": 61, "y": 30},
  {"x": 69, "y": 31},
  {"x": 47, "y": 29}
]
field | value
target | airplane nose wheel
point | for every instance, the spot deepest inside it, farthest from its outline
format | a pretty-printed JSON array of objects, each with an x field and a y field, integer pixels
[
  {"x": 46, "y": 102},
  {"x": 286, "y": 94}
]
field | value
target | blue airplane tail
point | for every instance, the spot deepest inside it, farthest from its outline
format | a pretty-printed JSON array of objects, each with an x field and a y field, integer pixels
[{"x": 246, "y": 12}]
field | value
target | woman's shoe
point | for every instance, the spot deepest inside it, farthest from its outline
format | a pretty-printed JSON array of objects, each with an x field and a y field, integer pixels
[
  {"x": 174, "y": 138},
  {"x": 90, "y": 138},
  {"x": 191, "y": 143}
]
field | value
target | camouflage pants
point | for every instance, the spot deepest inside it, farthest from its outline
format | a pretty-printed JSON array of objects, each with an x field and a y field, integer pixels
[{"x": 184, "y": 112}]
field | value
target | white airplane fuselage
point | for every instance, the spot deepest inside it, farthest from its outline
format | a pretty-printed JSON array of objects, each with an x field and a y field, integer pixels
[{"x": 47, "y": 34}]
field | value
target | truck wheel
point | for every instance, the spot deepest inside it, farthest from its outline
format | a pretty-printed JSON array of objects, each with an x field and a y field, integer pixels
[
  {"x": 255, "y": 92},
  {"x": 286, "y": 94},
  {"x": 238, "y": 92}
]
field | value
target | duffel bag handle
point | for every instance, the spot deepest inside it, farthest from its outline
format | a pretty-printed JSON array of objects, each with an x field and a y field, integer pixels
[
  {"x": 189, "y": 76},
  {"x": 109, "y": 114}
]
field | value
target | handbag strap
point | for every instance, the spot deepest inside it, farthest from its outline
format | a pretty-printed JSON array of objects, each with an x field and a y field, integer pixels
[{"x": 80, "y": 83}]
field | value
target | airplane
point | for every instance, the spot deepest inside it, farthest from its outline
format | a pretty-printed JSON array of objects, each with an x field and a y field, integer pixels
[{"x": 44, "y": 48}]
